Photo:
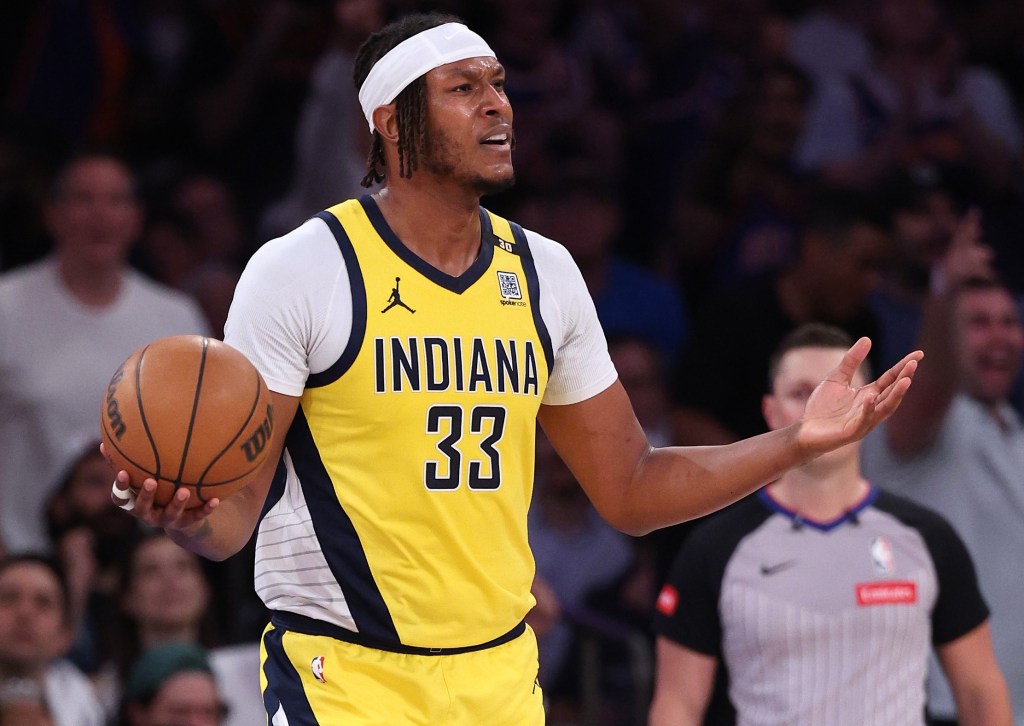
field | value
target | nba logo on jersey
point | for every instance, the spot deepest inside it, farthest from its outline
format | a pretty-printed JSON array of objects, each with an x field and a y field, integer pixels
[
  {"x": 318, "y": 668},
  {"x": 508, "y": 286},
  {"x": 881, "y": 555}
]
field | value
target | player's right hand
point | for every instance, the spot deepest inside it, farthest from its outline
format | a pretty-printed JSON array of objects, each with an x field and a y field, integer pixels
[{"x": 141, "y": 504}]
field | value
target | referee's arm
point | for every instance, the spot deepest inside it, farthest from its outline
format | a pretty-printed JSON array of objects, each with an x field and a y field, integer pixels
[
  {"x": 682, "y": 688},
  {"x": 979, "y": 688}
]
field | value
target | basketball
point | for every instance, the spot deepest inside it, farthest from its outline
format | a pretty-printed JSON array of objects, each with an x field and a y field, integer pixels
[{"x": 188, "y": 411}]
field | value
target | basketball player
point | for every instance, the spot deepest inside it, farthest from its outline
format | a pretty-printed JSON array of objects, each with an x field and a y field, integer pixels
[
  {"x": 392, "y": 546},
  {"x": 821, "y": 597}
]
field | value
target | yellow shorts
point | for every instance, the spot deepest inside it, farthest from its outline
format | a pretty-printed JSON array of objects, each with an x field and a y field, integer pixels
[{"x": 311, "y": 680}]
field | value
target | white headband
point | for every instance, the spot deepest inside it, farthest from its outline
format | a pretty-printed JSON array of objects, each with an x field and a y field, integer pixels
[{"x": 415, "y": 56}]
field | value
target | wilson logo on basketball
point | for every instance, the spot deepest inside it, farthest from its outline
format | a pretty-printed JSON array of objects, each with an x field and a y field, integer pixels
[
  {"x": 893, "y": 592},
  {"x": 114, "y": 418},
  {"x": 254, "y": 445}
]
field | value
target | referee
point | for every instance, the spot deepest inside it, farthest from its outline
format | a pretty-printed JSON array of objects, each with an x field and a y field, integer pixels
[{"x": 818, "y": 599}]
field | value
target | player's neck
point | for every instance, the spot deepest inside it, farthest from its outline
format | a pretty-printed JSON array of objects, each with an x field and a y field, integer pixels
[
  {"x": 821, "y": 494},
  {"x": 440, "y": 227},
  {"x": 92, "y": 285}
]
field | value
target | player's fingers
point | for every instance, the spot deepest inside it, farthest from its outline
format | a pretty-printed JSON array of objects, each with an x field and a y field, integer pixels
[
  {"x": 905, "y": 368},
  {"x": 894, "y": 396},
  {"x": 145, "y": 498},
  {"x": 121, "y": 492},
  {"x": 207, "y": 508},
  {"x": 191, "y": 520},
  {"x": 106, "y": 455},
  {"x": 175, "y": 508},
  {"x": 889, "y": 398},
  {"x": 844, "y": 372}
]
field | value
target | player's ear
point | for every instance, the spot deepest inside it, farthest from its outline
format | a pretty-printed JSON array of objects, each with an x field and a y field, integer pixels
[{"x": 385, "y": 121}]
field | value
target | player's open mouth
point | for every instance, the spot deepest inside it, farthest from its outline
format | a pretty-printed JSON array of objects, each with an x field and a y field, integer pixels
[{"x": 499, "y": 138}]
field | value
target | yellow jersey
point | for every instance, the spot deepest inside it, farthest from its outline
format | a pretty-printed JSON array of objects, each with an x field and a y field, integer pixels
[
  {"x": 399, "y": 513},
  {"x": 415, "y": 450}
]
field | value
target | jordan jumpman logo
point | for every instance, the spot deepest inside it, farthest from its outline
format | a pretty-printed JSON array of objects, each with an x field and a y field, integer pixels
[{"x": 396, "y": 299}]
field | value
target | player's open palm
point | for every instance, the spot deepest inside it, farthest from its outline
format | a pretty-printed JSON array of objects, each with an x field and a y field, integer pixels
[{"x": 838, "y": 413}]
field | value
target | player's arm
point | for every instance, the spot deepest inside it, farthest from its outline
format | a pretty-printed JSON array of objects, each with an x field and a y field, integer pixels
[
  {"x": 220, "y": 528},
  {"x": 637, "y": 488},
  {"x": 978, "y": 685},
  {"x": 683, "y": 685}
]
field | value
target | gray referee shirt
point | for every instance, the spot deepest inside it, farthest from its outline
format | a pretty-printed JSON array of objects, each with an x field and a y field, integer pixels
[{"x": 821, "y": 624}]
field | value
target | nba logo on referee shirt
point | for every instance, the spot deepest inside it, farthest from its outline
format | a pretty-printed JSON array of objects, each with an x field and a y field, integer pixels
[
  {"x": 881, "y": 555},
  {"x": 318, "y": 668}
]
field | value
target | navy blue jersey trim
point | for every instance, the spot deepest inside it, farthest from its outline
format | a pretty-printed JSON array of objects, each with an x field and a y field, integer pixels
[
  {"x": 284, "y": 686},
  {"x": 850, "y": 515},
  {"x": 533, "y": 287},
  {"x": 308, "y": 626},
  {"x": 276, "y": 489},
  {"x": 458, "y": 284},
  {"x": 337, "y": 536},
  {"x": 355, "y": 279}
]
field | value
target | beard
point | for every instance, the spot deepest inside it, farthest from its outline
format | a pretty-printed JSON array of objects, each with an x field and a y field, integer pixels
[{"x": 440, "y": 157}]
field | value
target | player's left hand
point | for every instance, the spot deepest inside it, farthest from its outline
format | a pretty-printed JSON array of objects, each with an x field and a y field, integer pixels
[{"x": 838, "y": 413}]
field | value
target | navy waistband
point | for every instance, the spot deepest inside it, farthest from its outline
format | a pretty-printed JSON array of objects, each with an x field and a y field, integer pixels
[{"x": 310, "y": 626}]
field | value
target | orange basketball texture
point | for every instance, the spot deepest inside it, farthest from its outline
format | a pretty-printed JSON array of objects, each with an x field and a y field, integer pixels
[{"x": 188, "y": 411}]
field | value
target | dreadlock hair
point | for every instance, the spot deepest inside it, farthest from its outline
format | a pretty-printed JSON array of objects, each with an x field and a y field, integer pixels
[{"x": 410, "y": 104}]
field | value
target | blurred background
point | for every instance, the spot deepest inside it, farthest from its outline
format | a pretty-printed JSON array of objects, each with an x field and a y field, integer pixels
[{"x": 697, "y": 157}]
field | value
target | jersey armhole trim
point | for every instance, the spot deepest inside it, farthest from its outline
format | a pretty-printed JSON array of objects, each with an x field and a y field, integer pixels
[
  {"x": 533, "y": 288},
  {"x": 277, "y": 488},
  {"x": 355, "y": 278}
]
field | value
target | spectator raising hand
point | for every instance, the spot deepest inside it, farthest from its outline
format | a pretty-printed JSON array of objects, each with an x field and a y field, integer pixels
[
  {"x": 967, "y": 257},
  {"x": 957, "y": 445}
]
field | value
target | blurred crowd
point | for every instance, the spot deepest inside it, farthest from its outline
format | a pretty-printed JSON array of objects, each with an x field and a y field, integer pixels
[{"x": 721, "y": 170}]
